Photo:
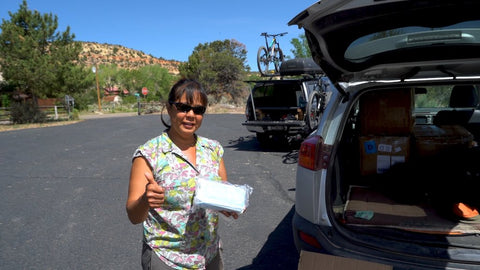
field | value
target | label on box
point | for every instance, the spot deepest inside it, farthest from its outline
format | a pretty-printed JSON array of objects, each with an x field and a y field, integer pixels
[
  {"x": 380, "y": 153},
  {"x": 370, "y": 147},
  {"x": 383, "y": 163},
  {"x": 397, "y": 159},
  {"x": 384, "y": 148}
]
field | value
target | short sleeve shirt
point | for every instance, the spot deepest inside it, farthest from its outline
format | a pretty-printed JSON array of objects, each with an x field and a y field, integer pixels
[{"x": 182, "y": 236}]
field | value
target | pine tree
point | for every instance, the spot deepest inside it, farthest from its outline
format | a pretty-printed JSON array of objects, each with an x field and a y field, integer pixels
[{"x": 37, "y": 60}]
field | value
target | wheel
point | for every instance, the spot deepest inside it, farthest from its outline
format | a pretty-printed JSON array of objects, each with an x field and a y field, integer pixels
[
  {"x": 263, "y": 61},
  {"x": 313, "y": 110},
  {"x": 278, "y": 59},
  {"x": 263, "y": 138}
]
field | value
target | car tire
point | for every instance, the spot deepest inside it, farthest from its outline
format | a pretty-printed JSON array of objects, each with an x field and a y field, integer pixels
[{"x": 263, "y": 138}]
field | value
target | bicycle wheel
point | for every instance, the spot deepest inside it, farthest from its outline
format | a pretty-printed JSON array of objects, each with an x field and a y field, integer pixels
[
  {"x": 278, "y": 59},
  {"x": 313, "y": 110},
  {"x": 263, "y": 61}
]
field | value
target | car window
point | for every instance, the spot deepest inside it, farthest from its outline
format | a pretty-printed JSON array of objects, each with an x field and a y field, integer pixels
[
  {"x": 439, "y": 96},
  {"x": 412, "y": 36},
  {"x": 434, "y": 97},
  {"x": 277, "y": 95}
]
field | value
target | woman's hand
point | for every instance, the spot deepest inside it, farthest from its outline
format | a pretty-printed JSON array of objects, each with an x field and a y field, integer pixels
[
  {"x": 154, "y": 194},
  {"x": 230, "y": 214},
  {"x": 143, "y": 192}
]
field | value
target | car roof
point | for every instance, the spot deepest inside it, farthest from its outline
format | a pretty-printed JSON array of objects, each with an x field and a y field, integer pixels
[{"x": 364, "y": 40}]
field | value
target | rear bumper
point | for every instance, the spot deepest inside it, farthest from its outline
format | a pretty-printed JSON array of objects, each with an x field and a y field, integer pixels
[
  {"x": 333, "y": 243},
  {"x": 287, "y": 127},
  {"x": 300, "y": 224}
]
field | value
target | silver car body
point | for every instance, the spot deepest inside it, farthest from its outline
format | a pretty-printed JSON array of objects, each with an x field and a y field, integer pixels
[{"x": 427, "y": 58}]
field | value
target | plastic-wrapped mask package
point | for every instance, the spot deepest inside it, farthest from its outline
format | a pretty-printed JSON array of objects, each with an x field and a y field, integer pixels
[{"x": 219, "y": 195}]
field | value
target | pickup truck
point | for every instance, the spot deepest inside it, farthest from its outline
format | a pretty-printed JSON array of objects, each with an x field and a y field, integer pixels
[{"x": 286, "y": 108}]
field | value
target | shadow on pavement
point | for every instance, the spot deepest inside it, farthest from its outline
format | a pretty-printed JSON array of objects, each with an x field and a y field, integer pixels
[
  {"x": 290, "y": 157},
  {"x": 279, "y": 251},
  {"x": 244, "y": 143},
  {"x": 250, "y": 143}
]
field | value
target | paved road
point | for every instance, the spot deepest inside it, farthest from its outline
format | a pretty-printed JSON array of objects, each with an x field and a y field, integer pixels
[{"x": 63, "y": 191}]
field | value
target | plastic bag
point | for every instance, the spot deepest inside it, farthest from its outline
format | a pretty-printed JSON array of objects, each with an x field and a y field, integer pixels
[{"x": 221, "y": 195}]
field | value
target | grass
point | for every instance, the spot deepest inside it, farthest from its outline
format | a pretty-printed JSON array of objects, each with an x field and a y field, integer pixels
[{"x": 8, "y": 127}]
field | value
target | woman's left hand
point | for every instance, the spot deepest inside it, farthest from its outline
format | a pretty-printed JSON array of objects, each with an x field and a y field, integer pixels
[{"x": 229, "y": 214}]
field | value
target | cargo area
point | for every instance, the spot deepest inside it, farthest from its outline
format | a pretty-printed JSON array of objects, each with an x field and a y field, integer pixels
[
  {"x": 279, "y": 101},
  {"x": 401, "y": 168}
]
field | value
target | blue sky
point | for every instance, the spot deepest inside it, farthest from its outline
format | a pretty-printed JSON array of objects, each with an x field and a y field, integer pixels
[{"x": 172, "y": 29}]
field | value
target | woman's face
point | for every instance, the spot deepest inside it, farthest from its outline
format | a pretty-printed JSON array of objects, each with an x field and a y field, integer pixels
[{"x": 184, "y": 120}]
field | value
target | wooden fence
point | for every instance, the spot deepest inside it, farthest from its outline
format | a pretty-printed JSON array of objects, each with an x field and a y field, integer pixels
[{"x": 57, "y": 112}]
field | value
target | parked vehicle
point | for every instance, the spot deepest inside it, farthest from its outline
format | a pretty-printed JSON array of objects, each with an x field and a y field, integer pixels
[
  {"x": 287, "y": 108},
  {"x": 392, "y": 174}
]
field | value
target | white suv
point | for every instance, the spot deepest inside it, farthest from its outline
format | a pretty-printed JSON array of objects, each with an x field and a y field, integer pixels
[{"x": 392, "y": 174}]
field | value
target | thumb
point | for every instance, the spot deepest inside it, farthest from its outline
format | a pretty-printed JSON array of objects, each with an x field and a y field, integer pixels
[{"x": 150, "y": 179}]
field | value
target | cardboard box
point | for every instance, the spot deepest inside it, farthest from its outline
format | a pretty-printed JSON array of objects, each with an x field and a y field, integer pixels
[
  {"x": 310, "y": 260},
  {"x": 379, "y": 153},
  {"x": 431, "y": 139},
  {"x": 388, "y": 112}
]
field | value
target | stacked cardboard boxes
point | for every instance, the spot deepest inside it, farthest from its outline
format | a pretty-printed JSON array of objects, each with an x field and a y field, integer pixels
[
  {"x": 431, "y": 140},
  {"x": 387, "y": 112},
  {"x": 388, "y": 134},
  {"x": 379, "y": 153},
  {"x": 386, "y": 123}
]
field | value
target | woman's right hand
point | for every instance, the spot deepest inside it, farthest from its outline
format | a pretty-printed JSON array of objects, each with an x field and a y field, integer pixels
[{"x": 154, "y": 194}]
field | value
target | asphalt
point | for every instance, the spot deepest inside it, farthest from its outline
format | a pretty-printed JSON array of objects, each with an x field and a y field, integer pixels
[
  {"x": 63, "y": 191},
  {"x": 106, "y": 115}
]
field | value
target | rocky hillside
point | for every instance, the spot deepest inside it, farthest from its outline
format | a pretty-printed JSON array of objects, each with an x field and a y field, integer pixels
[{"x": 123, "y": 57}]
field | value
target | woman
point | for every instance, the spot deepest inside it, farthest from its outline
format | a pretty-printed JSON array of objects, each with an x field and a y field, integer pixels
[{"x": 162, "y": 184}]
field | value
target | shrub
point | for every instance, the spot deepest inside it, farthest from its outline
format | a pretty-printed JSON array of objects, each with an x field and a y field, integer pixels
[
  {"x": 4, "y": 100},
  {"x": 26, "y": 112},
  {"x": 75, "y": 115}
]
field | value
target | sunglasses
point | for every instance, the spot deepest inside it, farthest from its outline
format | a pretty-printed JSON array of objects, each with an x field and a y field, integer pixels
[{"x": 182, "y": 107}]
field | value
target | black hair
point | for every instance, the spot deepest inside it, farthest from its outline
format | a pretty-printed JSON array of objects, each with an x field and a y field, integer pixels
[{"x": 191, "y": 89}]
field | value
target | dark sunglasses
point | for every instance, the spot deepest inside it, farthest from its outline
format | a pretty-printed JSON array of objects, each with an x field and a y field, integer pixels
[{"x": 182, "y": 107}]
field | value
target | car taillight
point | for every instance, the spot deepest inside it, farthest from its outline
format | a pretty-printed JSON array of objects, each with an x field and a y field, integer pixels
[{"x": 314, "y": 154}]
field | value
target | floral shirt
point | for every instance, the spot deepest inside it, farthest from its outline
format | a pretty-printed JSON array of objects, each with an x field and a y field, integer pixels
[{"x": 183, "y": 237}]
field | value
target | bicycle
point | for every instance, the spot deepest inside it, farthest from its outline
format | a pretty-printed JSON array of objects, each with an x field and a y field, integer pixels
[{"x": 271, "y": 53}]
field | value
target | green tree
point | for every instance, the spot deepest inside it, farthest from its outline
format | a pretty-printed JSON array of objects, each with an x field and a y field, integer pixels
[
  {"x": 157, "y": 80},
  {"x": 300, "y": 47},
  {"x": 154, "y": 77},
  {"x": 108, "y": 76},
  {"x": 38, "y": 60},
  {"x": 221, "y": 68}
]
